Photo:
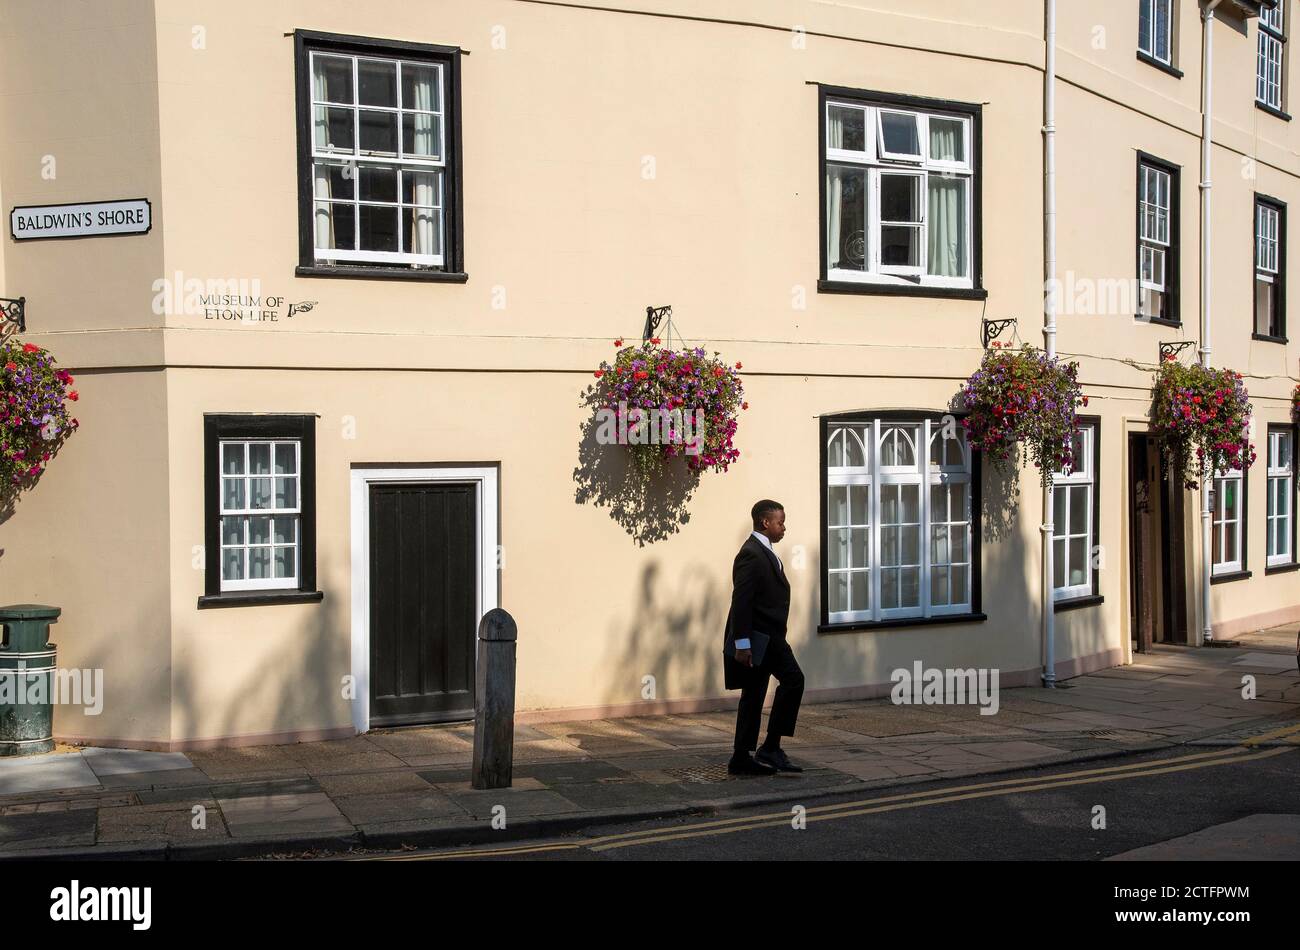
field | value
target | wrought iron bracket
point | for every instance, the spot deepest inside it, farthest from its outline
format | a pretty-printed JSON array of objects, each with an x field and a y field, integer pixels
[
  {"x": 15, "y": 312},
  {"x": 654, "y": 316},
  {"x": 1175, "y": 348},
  {"x": 992, "y": 329}
]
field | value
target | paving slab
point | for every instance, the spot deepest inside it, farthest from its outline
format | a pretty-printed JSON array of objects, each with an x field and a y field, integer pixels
[
  {"x": 282, "y": 814},
  {"x": 35, "y": 773}
]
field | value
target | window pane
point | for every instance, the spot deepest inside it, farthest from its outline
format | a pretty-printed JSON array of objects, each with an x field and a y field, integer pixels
[
  {"x": 900, "y": 198},
  {"x": 378, "y": 228},
  {"x": 889, "y": 588},
  {"x": 947, "y": 227},
  {"x": 421, "y": 135},
  {"x": 232, "y": 564},
  {"x": 853, "y": 454},
  {"x": 889, "y": 546},
  {"x": 938, "y": 503},
  {"x": 259, "y": 563},
  {"x": 957, "y": 579},
  {"x": 378, "y": 184},
  {"x": 958, "y": 536},
  {"x": 422, "y": 230},
  {"x": 837, "y": 507},
  {"x": 910, "y": 587},
  {"x": 900, "y": 246},
  {"x": 286, "y": 458},
  {"x": 334, "y": 181},
  {"x": 838, "y": 591},
  {"x": 838, "y": 555},
  {"x": 259, "y": 530},
  {"x": 939, "y": 551},
  {"x": 911, "y": 496},
  {"x": 377, "y": 82},
  {"x": 1264, "y": 307},
  {"x": 286, "y": 493},
  {"x": 285, "y": 562},
  {"x": 259, "y": 458},
  {"x": 232, "y": 458},
  {"x": 859, "y": 498},
  {"x": 1058, "y": 563},
  {"x": 232, "y": 531},
  {"x": 898, "y": 446},
  {"x": 421, "y": 188},
  {"x": 835, "y": 449},
  {"x": 232, "y": 494},
  {"x": 284, "y": 530},
  {"x": 846, "y": 129},
  {"x": 259, "y": 490},
  {"x": 899, "y": 132},
  {"x": 1078, "y": 561},
  {"x": 334, "y": 129},
  {"x": 947, "y": 140},
  {"x": 336, "y": 226},
  {"x": 859, "y": 545},
  {"x": 378, "y": 132},
  {"x": 1284, "y": 451},
  {"x": 846, "y": 209},
  {"x": 420, "y": 87},
  {"x": 939, "y": 586},
  {"x": 860, "y": 588},
  {"x": 332, "y": 78},
  {"x": 1079, "y": 509},
  {"x": 910, "y": 536},
  {"x": 1060, "y": 497}
]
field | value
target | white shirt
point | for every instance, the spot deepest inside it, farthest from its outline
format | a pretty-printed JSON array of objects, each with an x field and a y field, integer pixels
[{"x": 743, "y": 642}]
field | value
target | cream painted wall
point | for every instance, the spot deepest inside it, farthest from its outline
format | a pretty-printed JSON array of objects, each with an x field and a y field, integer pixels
[{"x": 198, "y": 114}]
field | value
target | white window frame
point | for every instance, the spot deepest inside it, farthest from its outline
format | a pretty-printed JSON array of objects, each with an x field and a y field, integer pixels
[
  {"x": 1221, "y": 517},
  {"x": 924, "y": 474},
  {"x": 1081, "y": 474},
  {"x": 1281, "y": 484},
  {"x": 1270, "y": 59},
  {"x": 437, "y": 165},
  {"x": 875, "y": 159},
  {"x": 1154, "y": 12},
  {"x": 247, "y": 512},
  {"x": 1155, "y": 243}
]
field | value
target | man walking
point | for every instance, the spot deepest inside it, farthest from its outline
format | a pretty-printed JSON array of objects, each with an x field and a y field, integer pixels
[{"x": 754, "y": 647}]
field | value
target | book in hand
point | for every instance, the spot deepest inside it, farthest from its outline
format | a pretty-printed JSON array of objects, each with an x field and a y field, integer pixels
[{"x": 757, "y": 644}]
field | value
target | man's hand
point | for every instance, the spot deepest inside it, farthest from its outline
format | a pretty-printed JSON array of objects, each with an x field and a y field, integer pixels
[{"x": 745, "y": 657}]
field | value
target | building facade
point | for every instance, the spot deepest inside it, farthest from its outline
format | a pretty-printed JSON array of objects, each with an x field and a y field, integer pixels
[{"x": 332, "y": 399}]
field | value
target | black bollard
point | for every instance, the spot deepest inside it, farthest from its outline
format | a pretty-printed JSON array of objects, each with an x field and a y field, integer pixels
[{"x": 494, "y": 700}]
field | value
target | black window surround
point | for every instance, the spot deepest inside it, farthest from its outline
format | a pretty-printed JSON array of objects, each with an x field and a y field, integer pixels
[
  {"x": 1172, "y": 268},
  {"x": 1281, "y": 38},
  {"x": 1294, "y": 430},
  {"x": 875, "y": 98},
  {"x": 976, "y": 614},
  {"x": 217, "y": 427},
  {"x": 453, "y": 270},
  {"x": 1280, "y": 280},
  {"x": 1094, "y": 597}
]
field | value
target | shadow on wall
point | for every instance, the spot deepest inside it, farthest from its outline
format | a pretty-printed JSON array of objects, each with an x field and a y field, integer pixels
[
  {"x": 1000, "y": 501},
  {"x": 299, "y": 688},
  {"x": 649, "y": 510}
]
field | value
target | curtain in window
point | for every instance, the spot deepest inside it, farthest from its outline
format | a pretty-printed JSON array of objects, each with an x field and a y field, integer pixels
[
  {"x": 947, "y": 225},
  {"x": 423, "y": 240},
  {"x": 324, "y": 220},
  {"x": 834, "y": 190}
]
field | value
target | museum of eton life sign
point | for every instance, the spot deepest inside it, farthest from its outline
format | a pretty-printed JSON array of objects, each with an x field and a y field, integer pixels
[{"x": 90, "y": 219}]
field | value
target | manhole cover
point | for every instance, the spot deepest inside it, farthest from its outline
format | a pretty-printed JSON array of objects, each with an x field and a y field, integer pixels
[
  {"x": 702, "y": 774},
  {"x": 1119, "y": 735}
]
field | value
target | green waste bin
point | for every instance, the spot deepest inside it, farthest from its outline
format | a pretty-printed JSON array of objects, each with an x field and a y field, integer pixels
[{"x": 26, "y": 679}]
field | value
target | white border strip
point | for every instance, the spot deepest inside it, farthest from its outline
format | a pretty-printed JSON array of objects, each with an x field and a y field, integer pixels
[{"x": 487, "y": 581}]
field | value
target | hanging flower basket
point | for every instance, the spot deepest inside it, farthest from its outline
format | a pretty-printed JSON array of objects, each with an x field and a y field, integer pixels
[
  {"x": 1202, "y": 417},
  {"x": 1022, "y": 396},
  {"x": 34, "y": 416},
  {"x": 1295, "y": 404},
  {"x": 668, "y": 404}
]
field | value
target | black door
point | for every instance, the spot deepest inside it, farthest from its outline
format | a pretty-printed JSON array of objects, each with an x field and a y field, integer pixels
[
  {"x": 423, "y": 598},
  {"x": 1143, "y": 549}
]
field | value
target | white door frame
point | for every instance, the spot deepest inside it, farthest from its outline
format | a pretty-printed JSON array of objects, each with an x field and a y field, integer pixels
[{"x": 485, "y": 480}]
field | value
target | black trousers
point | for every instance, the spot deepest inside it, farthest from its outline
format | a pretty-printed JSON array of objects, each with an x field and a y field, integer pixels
[{"x": 778, "y": 662}]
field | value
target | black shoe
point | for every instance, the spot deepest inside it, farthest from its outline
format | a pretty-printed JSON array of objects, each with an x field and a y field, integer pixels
[
  {"x": 776, "y": 759},
  {"x": 742, "y": 764}
]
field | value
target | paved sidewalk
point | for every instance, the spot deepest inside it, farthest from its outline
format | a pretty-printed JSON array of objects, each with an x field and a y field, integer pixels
[{"x": 400, "y": 788}]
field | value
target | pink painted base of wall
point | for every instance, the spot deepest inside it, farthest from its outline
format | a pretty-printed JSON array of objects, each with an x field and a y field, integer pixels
[
  {"x": 1228, "y": 629},
  {"x": 1066, "y": 669}
]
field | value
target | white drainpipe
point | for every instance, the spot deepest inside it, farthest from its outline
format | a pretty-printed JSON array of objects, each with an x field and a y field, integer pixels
[
  {"x": 1207, "y": 76},
  {"x": 1050, "y": 303}
]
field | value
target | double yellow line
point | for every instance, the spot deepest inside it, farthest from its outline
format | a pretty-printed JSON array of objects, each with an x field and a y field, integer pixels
[{"x": 1226, "y": 756}]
